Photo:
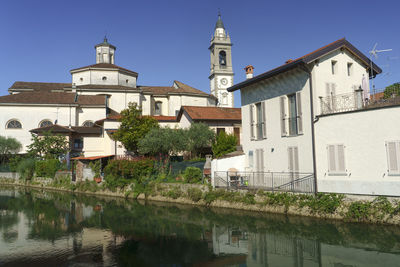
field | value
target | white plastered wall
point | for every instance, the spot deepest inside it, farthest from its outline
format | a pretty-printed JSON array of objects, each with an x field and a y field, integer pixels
[
  {"x": 275, "y": 146},
  {"x": 364, "y": 135}
]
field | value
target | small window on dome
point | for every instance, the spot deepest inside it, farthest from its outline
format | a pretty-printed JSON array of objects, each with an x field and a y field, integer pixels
[
  {"x": 127, "y": 80},
  {"x": 104, "y": 78},
  {"x": 81, "y": 79}
]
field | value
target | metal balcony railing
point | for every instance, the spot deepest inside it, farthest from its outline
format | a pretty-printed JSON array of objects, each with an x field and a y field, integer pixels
[{"x": 270, "y": 181}]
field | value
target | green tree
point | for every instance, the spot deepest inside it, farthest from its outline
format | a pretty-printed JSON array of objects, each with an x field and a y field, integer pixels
[
  {"x": 199, "y": 136},
  {"x": 48, "y": 146},
  {"x": 133, "y": 127},
  {"x": 8, "y": 145},
  {"x": 224, "y": 144},
  {"x": 164, "y": 141},
  {"x": 392, "y": 90}
]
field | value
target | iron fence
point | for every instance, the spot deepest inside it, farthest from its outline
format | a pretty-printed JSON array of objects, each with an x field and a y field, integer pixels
[
  {"x": 270, "y": 181},
  {"x": 359, "y": 99}
]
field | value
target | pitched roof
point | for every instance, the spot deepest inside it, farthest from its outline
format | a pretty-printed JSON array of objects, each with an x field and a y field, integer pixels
[
  {"x": 103, "y": 86},
  {"x": 92, "y": 158},
  {"x": 211, "y": 113},
  {"x": 165, "y": 118},
  {"x": 52, "y": 98},
  {"x": 39, "y": 86},
  {"x": 180, "y": 88},
  {"x": 56, "y": 128},
  {"x": 308, "y": 58},
  {"x": 104, "y": 66}
]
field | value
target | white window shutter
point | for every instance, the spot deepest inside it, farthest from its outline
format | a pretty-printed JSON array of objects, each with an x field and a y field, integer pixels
[
  {"x": 299, "y": 113},
  {"x": 283, "y": 115},
  {"x": 331, "y": 158},
  {"x": 251, "y": 107},
  {"x": 290, "y": 159},
  {"x": 264, "y": 123},
  {"x": 261, "y": 160},
  {"x": 341, "y": 167},
  {"x": 295, "y": 159},
  {"x": 328, "y": 89},
  {"x": 392, "y": 149}
]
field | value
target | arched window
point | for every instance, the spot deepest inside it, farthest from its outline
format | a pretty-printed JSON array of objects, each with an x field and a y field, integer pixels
[
  {"x": 225, "y": 98},
  {"x": 13, "y": 124},
  {"x": 222, "y": 58},
  {"x": 88, "y": 124},
  {"x": 45, "y": 123},
  {"x": 104, "y": 78}
]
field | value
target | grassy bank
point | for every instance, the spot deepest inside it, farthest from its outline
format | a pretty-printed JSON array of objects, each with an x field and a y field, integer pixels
[{"x": 330, "y": 206}]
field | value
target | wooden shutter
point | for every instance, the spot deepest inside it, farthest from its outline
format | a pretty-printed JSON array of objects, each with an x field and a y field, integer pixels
[
  {"x": 392, "y": 149},
  {"x": 341, "y": 167},
  {"x": 264, "y": 123},
  {"x": 283, "y": 115},
  {"x": 331, "y": 158},
  {"x": 261, "y": 160},
  {"x": 299, "y": 113},
  {"x": 251, "y": 107}
]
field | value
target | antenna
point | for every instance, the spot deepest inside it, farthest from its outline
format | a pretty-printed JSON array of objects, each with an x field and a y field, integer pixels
[{"x": 374, "y": 52}]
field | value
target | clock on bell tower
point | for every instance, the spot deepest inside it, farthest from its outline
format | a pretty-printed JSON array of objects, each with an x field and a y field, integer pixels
[{"x": 221, "y": 73}]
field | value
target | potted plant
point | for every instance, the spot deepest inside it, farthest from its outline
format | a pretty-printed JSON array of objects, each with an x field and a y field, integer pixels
[{"x": 96, "y": 168}]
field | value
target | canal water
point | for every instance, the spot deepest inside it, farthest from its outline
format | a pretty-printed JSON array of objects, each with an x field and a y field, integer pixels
[{"x": 39, "y": 228}]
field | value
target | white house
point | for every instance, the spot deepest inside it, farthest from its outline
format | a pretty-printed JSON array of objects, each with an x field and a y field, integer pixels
[{"x": 316, "y": 117}]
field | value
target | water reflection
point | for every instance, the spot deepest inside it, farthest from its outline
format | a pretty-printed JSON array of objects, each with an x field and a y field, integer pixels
[{"x": 53, "y": 229}]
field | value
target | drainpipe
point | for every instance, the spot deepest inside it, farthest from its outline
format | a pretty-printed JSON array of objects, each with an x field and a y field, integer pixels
[{"x": 308, "y": 71}]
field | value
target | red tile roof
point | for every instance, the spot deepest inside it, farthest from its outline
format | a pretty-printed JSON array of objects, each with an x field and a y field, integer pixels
[
  {"x": 52, "y": 98},
  {"x": 180, "y": 89},
  {"x": 306, "y": 59},
  {"x": 104, "y": 66},
  {"x": 165, "y": 118},
  {"x": 211, "y": 113},
  {"x": 92, "y": 158},
  {"x": 56, "y": 128},
  {"x": 39, "y": 86}
]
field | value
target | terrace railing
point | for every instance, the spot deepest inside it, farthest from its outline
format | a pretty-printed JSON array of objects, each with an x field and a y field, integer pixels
[
  {"x": 359, "y": 100},
  {"x": 269, "y": 181}
]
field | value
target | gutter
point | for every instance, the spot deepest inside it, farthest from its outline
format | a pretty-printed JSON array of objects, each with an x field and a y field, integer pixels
[{"x": 305, "y": 68}]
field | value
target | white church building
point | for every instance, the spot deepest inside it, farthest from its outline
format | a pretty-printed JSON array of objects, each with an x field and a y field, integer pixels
[
  {"x": 313, "y": 124},
  {"x": 98, "y": 93}
]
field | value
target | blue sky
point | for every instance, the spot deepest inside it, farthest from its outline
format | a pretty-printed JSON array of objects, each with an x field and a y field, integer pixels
[{"x": 168, "y": 40}]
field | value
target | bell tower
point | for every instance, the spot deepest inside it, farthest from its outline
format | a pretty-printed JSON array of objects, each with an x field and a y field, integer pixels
[{"x": 221, "y": 73}]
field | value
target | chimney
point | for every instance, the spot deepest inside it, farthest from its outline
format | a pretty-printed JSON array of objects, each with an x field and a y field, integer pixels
[{"x": 249, "y": 71}]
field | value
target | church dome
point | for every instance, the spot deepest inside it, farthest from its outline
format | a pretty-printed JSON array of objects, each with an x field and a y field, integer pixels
[{"x": 219, "y": 23}]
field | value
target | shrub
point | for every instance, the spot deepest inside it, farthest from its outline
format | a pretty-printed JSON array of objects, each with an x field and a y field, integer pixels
[
  {"x": 248, "y": 198},
  {"x": 26, "y": 169},
  {"x": 195, "y": 194},
  {"x": 193, "y": 175},
  {"x": 224, "y": 144},
  {"x": 130, "y": 169},
  {"x": 174, "y": 193},
  {"x": 47, "y": 168},
  {"x": 359, "y": 211},
  {"x": 87, "y": 185},
  {"x": 113, "y": 182}
]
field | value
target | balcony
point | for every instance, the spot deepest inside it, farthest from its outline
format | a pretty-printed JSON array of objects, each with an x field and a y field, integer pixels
[{"x": 358, "y": 100}]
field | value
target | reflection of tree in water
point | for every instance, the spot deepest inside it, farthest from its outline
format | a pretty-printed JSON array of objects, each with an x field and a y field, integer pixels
[{"x": 10, "y": 236}]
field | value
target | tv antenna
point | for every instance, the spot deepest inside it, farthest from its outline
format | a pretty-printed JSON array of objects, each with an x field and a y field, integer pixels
[{"x": 374, "y": 52}]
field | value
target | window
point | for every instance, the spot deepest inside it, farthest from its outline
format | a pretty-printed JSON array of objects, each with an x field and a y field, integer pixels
[
  {"x": 78, "y": 143},
  {"x": 81, "y": 79},
  {"x": 251, "y": 159},
  {"x": 157, "y": 108},
  {"x": 222, "y": 58},
  {"x": 104, "y": 78},
  {"x": 127, "y": 81},
  {"x": 224, "y": 99},
  {"x": 88, "y": 124},
  {"x": 45, "y": 123},
  {"x": 295, "y": 119},
  {"x": 336, "y": 162},
  {"x": 334, "y": 67},
  {"x": 393, "y": 157},
  {"x": 257, "y": 121},
  {"x": 219, "y": 130},
  {"x": 13, "y": 124},
  {"x": 293, "y": 159},
  {"x": 349, "y": 69}
]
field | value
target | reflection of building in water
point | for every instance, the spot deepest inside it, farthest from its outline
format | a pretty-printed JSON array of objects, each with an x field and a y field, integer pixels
[{"x": 264, "y": 249}]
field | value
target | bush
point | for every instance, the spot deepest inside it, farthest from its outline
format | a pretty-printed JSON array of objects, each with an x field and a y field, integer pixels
[
  {"x": 47, "y": 168},
  {"x": 225, "y": 143},
  {"x": 192, "y": 175},
  {"x": 174, "y": 193},
  {"x": 113, "y": 182},
  {"x": 130, "y": 169},
  {"x": 26, "y": 169},
  {"x": 359, "y": 211},
  {"x": 195, "y": 194}
]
